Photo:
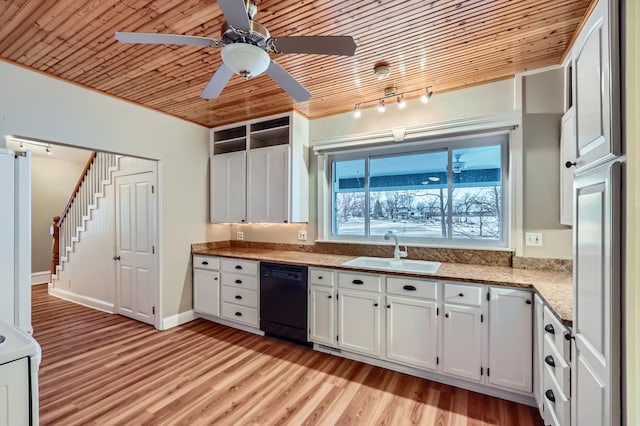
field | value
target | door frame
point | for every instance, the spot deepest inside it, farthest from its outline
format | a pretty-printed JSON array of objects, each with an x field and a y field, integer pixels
[{"x": 156, "y": 203}]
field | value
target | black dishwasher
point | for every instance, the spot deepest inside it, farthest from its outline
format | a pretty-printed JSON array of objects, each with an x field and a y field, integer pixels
[{"x": 283, "y": 301}]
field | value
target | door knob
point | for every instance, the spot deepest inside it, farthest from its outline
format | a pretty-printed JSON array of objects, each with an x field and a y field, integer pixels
[{"x": 116, "y": 257}]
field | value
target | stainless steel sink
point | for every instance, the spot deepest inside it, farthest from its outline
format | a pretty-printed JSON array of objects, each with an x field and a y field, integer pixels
[{"x": 385, "y": 264}]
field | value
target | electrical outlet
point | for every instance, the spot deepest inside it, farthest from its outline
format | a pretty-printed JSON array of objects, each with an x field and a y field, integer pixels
[
  {"x": 302, "y": 235},
  {"x": 533, "y": 239},
  {"x": 239, "y": 235}
]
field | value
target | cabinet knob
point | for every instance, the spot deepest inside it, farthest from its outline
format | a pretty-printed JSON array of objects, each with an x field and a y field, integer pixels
[
  {"x": 375, "y": 304},
  {"x": 528, "y": 302},
  {"x": 569, "y": 164},
  {"x": 550, "y": 361},
  {"x": 215, "y": 278},
  {"x": 320, "y": 277},
  {"x": 388, "y": 306},
  {"x": 550, "y": 396},
  {"x": 329, "y": 297},
  {"x": 461, "y": 294},
  {"x": 446, "y": 315},
  {"x": 549, "y": 329}
]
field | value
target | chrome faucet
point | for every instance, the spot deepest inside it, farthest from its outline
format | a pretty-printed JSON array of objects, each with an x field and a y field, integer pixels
[{"x": 397, "y": 253}]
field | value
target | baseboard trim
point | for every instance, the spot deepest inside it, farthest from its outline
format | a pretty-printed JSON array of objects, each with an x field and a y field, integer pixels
[
  {"x": 40, "y": 277},
  {"x": 179, "y": 319},
  {"x": 87, "y": 301}
]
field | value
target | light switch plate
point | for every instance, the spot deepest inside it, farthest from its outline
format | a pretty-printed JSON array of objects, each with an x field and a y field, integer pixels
[
  {"x": 533, "y": 239},
  {"x": 239, "y": 235},
  {"x": 302, "y": 235}
]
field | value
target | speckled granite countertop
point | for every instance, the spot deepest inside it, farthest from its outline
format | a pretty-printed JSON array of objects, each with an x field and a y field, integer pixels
[{"x": 554, "y": 287}]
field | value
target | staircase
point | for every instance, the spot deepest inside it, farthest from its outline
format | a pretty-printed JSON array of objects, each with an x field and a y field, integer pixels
[{"x": 97, "y": 174}]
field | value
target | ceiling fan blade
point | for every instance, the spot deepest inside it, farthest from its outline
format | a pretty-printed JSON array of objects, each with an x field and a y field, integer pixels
[
  {"x": 152, "y": 38},
  {"x": 235, "y": 12},
  {"x": 320, "y": 45},
  {"x": 287, "y": 82},
  {"x": 216, "y": 84}
]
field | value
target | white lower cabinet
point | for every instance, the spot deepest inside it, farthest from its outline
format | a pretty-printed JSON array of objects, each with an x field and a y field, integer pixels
[
  {"x": 538, "y": 342},
  {"x": 412, "y": 332},
  {"x": 322, "y": 315},
  {"x": 462, "y": 342},
  {"x": 206, "y": 292},
  {"x": 510, "y": 339},
  {"x": 14, "y": 392},
  {"x": 359, "y": 322}
]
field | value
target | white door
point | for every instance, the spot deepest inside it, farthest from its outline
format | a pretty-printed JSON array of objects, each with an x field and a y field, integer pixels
[
  {"x": 412, "y": 331},
  {"x": 567, "y": 155},
  {"x": 595, "y": 360},
  {"x": 14, "y": 393},
  {"x": 268, "y": 184},
  {"x": 322, "y": 315},
  {"x": 359, "y": 319},
  {"x": 206, "y": 292},
  {"x": 228, "y": 184},
  {"x": 510, "y": 339},
  {"x": 462, "y": 342},
  {"x": 136, "y": 270}
]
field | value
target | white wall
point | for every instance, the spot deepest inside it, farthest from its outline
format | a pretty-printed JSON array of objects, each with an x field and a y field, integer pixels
[
  {"x": 52, "y": 181},
  {"x": 38, "y": 106}
]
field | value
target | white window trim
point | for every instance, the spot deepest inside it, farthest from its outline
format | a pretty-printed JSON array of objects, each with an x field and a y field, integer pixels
[{"x": 430, "y": 134}]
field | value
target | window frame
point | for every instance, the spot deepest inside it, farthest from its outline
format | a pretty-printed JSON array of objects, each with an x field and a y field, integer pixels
[{"x": 449, "y": 144}]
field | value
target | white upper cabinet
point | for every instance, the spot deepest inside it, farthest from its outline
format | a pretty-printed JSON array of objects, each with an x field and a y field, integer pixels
[
  {"x": 567, "y": 157},
  {"x": 510, "y": 339},
  {"x": 594, "y": 86},
  {"x": 260, "y": 171}
]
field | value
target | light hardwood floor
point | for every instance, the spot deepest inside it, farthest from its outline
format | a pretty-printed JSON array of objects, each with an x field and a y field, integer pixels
[{"x": 106, "y": 369}]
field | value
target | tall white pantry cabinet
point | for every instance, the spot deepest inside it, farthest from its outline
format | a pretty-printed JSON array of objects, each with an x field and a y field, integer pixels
[
  {"x": 597, "y": 217},
  {"x": 260, "y": 171}
]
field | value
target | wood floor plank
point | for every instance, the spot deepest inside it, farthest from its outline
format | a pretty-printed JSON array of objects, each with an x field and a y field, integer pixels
[{"x": 105, "y": 369}]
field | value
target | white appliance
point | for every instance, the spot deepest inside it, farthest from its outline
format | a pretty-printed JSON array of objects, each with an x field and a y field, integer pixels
[
  {"x": 15, "y": 239},
  {"x": 19, "y": 362}
]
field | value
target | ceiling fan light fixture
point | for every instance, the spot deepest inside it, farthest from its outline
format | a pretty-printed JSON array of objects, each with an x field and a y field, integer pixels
[{"x": 246, "y": 60}]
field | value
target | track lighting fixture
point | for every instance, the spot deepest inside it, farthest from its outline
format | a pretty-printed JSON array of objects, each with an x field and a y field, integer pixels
[
  {"x": 27, "y": 144},
  {"x": 390, "y": 92}
]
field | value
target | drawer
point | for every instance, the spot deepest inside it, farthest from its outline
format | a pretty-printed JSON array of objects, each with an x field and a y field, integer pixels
[
  {"x": 240, "y": 280},
  {"x": 367, "y": 282},
  {"x": 206, "y": 262},
  {"x": 555, "y": 400},
  {"x": 241, "y": 314},
  {"x": 558, "y": 366},
  {"x": 556, "y": 331},
  {"x": 550, "y": 418},
  {"x": 240, "y": 266},
  {"x": 411, "y": 287},
  {"x": 240, "y": 296},
  {"x": 321, "y": 277},
  {"x": 463, "y": 294}
]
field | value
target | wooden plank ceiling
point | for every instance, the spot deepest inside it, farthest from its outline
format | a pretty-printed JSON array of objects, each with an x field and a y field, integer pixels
[{"x": 439, "y": 43}]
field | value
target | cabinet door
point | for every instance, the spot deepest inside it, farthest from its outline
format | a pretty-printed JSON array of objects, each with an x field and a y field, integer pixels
[
  {"x": 595, "y": 358},
  {"x": 14, "y": 393},
  {"x": 568, "y": 154},
  {"x": 322, "y": 315},
  {"x": 359, "y": 322},
  {"x": 206, "y": 292},
  {"x": 268, "y": 186},
  {"x": 595, "y": 77},
  {"x": 228, "y": 187},
  {"x": 510, "y": 339},
  {"x": 412, "y": 331},
  {"x": 462, "y": 342}
]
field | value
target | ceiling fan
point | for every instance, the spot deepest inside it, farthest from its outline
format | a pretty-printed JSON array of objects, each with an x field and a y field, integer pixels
[{"x": 245, "y": 49}]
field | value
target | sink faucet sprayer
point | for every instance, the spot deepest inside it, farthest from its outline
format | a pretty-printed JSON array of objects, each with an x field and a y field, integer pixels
[{"x": 397, "y": 253}]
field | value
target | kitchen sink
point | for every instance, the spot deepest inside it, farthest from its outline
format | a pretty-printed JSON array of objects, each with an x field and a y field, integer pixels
[{"x": 386, "y": 264}]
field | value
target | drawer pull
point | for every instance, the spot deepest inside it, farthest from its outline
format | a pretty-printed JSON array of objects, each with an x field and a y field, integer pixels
[
  {"x": 549, "y": 329},
  {"x": 409, "y": 288},
  {"x": 461, "y": 294},
  {"x": 550, "y": 396},
  {"x": 238, "y": 314},
  {"x": 238, "y": 281},
  {"x": 204, "y": 262},
  {"x": 238, "y": 266},
  {"x": 358, "y": 282},
  {"x": 550, "y": 361},
  {"x": 320, "y": 277},
  {"x": 238, "y": 297}
]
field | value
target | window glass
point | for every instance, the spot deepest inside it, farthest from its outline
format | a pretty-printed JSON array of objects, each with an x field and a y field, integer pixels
[
  {"x": 348, "y": 197},
  {"x": 450, "y": 193}
]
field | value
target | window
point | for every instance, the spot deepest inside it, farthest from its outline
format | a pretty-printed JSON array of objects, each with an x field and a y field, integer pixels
[{"x": 449, "y": 193}]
